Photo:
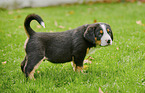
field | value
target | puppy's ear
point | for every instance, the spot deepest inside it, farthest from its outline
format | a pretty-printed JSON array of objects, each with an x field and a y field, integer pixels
[{"x": 89, "y": 34}]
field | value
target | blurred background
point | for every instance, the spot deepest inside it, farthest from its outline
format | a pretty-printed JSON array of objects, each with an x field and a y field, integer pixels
[{"x": 15, "y": 4}]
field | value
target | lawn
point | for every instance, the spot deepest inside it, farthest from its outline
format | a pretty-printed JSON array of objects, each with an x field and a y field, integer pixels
[{"x": 119, "y": 68}]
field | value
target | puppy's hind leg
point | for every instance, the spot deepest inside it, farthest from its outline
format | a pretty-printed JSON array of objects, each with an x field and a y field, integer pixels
[{"x": 32, "y": 64}]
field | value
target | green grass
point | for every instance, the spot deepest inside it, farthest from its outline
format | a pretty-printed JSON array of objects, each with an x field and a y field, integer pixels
[{"x": 119, "y": 68}]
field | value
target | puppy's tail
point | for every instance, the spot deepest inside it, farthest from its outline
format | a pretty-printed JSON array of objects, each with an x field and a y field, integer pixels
[{"x": 29, "y": 18}]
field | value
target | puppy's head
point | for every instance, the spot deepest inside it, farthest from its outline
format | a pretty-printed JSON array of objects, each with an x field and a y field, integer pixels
[{"x": 99, "y": 34}]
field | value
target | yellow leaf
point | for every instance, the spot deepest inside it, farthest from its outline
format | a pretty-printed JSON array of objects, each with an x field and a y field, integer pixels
[
  {"x": 85, "y": 67},
  {"x": 71, "y": 12},
  {"x": 38, "y": 72}
]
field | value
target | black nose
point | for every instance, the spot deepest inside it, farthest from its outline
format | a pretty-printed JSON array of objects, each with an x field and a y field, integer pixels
[{"x": 108, "y": 41}]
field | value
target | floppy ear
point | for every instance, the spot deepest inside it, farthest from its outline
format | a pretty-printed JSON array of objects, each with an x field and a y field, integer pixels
[{"x": 89, "y": 35}]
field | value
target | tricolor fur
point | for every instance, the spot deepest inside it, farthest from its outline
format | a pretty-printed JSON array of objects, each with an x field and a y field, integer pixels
[{"x": 61, "y": 47}]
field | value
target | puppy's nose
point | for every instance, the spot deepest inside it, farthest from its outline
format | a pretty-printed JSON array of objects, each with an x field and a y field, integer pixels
[{"x": 108, "y": 41}]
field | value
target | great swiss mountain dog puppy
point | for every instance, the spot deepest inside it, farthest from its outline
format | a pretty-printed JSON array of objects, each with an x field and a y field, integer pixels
[{"x": 61, "y": 47}]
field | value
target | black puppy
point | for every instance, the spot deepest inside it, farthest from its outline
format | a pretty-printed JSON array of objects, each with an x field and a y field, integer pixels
[{"x": 61, "y": 47}]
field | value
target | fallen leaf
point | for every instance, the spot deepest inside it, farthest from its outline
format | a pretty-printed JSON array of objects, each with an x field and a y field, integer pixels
[
  {"x": 95, "y": 21},
  {"x": 91, "y": 58},
  {"x": 38, "y": 72},
  {"x": 9, "y": 35},
  {"x": 71, "y": 12},
  {"x": 69, "y": 28},
  {"x": 55, "y": 23},
  {"x": 10, "y": 12},
  {"x": 100, "y": 91},
  {"x": 38, "y": 26},
  {"x": 139, "y": 22},
  {"x": 4, "y": 62},
  {"x": 61, "y": 26},
  {"x": 50, "y": 31},
  {"x": 87, "y": 61},
  {"x": 117, "y": 48},
  {"x": 18, "y": 16},
  {"x": 20, "y": 27},
  {"x": 18, "y": 11}
]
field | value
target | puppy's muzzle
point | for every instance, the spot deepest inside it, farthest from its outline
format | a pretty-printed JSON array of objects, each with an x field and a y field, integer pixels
[{"x": 108, "y": 41}]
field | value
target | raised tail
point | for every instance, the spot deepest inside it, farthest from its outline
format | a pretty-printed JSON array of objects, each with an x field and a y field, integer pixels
[{"x": 29, "y": 18}]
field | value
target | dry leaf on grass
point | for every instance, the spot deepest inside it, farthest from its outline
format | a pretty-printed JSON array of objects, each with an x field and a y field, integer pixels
[
  {"x": 55, "y": 23},
  {"x": 10, "y": 12},
  {"x": 117, "y": 48},
  {"x": 87, "y": 61},
  {"x": 38, "y": 26},
  {"x": 4, "y": 62},
  {"x": 51, "y": 31},
  {"x": 61, "y": 26},
  {"x": 91, "y": 58},
  {"x": 20, "y": 27},
  {"x": 9, "y": 35},
  {"x": 95, "y": 21},
  {"x": 71, "y": 12},
  {"x": 18, "y": 16},
  {"x": 38, "y": 72},
  {"x": 139, "y": 22}
]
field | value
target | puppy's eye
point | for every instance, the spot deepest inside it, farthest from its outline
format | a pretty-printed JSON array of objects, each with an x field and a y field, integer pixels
[
  {"x": 101, "y": 31},
  {"x": 108, "y": 30}
]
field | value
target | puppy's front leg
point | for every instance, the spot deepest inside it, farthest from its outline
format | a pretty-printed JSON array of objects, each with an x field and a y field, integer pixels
[
  {"x": 78, "y": 66},
  {"x": 79, "y": 69},
  {"x": 32, "y": 64}
]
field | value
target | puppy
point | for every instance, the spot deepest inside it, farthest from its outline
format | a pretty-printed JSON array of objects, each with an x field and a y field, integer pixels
[{"x": 61, "y": 47}]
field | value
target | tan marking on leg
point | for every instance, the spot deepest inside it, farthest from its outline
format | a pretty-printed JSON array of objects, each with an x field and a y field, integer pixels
[
  {"x": 79, "y": 69},
  {"x": 73, "y": 64},
  {"x": 26, "y": 32},
  {"x": 25, "y": 64},
  {"x": 31, "y": 75},
  {"x": 26, "y": 41},
  {"x": 88, "y": 50}
]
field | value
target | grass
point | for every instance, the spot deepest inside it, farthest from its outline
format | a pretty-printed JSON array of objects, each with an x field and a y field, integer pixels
[{"x": 119, "y": 68}]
